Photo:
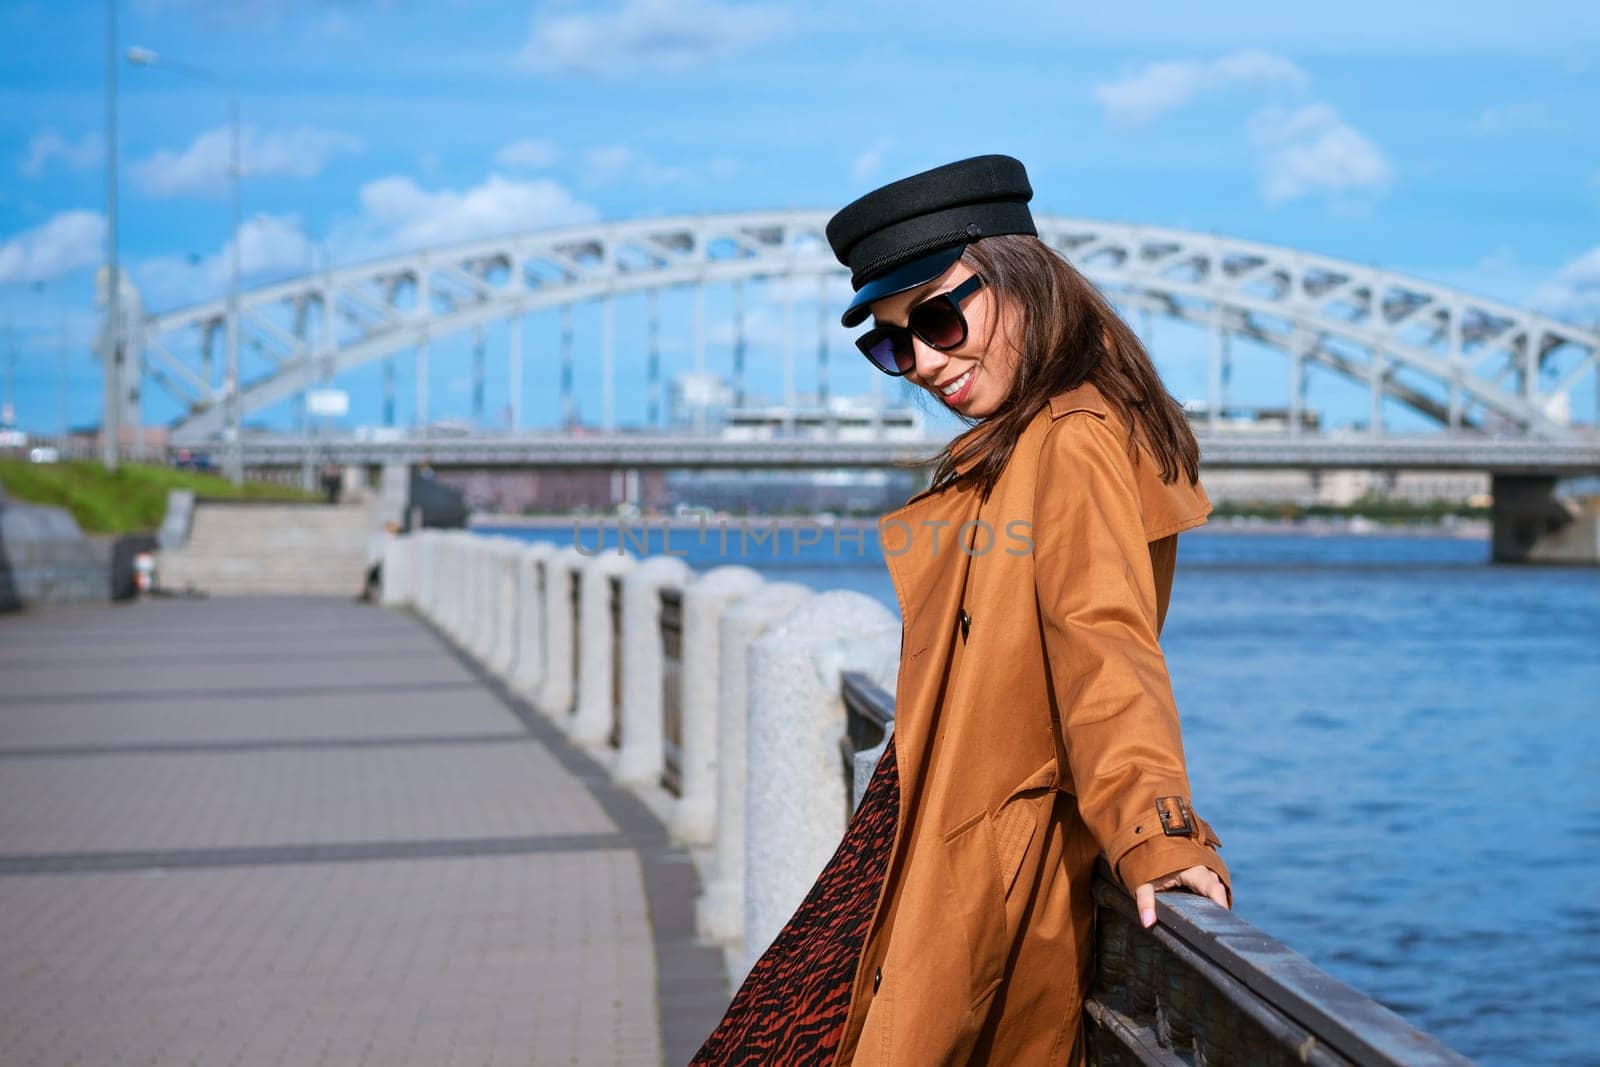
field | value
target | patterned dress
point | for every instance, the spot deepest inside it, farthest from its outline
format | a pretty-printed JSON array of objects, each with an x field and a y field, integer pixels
[{"x": 792, "y": 1006}]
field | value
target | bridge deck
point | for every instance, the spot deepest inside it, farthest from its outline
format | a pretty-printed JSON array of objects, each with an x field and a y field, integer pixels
[{"x": 302, "y": 830}]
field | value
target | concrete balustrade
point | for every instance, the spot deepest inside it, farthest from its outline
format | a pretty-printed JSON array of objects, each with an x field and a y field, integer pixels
[
  {"x": 437, "y": 584},
  {"x": 761, "y": 697},
  {"x": 436, "y": 580},
  {"x": 482, "y": 620},
  {"x": 528, "y": 666},
  {"x": 399, "y": 571},
  {"x": 507, "y": 605},
  {"x": 456, "y": 575},
  {"x": 704, "y": 602},
  {"x": 597, "y": 647},
  {"x": 795, "y": 799},
  {"x": 761, "y": 712},
  {"x": 719, "y": 915},
  {"x": 556, "y": 691},
  {"x": 640, "y": 759},
  {"x": 426, "y": 570}
]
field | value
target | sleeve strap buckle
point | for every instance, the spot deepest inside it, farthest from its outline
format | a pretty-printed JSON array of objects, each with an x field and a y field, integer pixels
[{"x": 1177, "y": 818}]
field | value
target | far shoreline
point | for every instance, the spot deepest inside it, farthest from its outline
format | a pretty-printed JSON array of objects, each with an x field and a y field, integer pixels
[{"x": 1461, "y": 529}]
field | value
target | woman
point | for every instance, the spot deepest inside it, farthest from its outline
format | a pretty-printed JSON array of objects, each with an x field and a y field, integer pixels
[{"x": 1035, "y": 726}]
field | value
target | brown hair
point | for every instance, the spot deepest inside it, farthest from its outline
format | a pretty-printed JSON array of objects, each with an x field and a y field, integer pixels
[{"x": 1070, "y": 334}]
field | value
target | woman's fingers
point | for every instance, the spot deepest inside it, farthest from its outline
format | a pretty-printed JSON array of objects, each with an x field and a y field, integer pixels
[
  {"x": 1145, "y": 898},
  {"x": 1200, "y": 878},
  {"x": 1208, "y": 884}
]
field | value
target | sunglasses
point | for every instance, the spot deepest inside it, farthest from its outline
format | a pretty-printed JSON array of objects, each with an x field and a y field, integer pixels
[{"x": 936, "y": 321}]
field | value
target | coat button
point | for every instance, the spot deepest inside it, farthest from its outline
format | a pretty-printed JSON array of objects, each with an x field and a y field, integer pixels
[
  {"x": 877, "y": 979},
  {"x": 966, "y": 623}
]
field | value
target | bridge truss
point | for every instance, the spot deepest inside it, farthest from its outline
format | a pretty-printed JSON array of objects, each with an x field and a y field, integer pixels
[{"x": 1464, "y": 363}]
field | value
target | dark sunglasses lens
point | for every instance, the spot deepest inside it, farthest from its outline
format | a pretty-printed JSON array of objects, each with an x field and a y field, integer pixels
[
  {"x": 890, "y": 350},
  {"x": 938, "y": 322}
]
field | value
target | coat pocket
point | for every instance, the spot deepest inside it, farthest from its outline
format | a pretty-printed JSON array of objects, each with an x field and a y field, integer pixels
[
  {"x": 1016, "y": 822},
  {"x": 978, "y": 895}
]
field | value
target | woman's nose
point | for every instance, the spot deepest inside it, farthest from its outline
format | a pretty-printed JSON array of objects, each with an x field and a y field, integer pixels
[{"x": 930, "y": 361}]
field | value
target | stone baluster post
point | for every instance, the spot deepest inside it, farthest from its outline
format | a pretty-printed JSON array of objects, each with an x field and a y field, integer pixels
[
  {"x": 527, "y": 669},
  {"x": 507, "y": 616},
  {"x": 555, "y": 694},
  {"x": 640, "y": 760},
  {"x": 597, "y": 647},
  {"x": 704, "y": 601},
  {"x": 720, "y": 913},
  {"x": 427, "y": 571},
  {"x": 795, "y": 796},
  {"x": 399, "y": 568}
]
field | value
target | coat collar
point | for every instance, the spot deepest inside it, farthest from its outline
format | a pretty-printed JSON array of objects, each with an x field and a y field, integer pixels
[
  {"x": 929, "y": 568},
  {"x": 1081, "y": 397}
]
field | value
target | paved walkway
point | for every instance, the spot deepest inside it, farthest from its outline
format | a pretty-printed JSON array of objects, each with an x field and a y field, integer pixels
[{"x": 307, "y": 831}]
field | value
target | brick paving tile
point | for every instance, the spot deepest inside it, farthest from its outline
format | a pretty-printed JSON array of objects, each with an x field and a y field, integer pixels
[{"x": 303, "y": 831}]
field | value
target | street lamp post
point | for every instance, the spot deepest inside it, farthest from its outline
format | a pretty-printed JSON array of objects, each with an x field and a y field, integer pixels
[
  {"x": 233, "y": 464},
  {"x": 110, "y": 421}
]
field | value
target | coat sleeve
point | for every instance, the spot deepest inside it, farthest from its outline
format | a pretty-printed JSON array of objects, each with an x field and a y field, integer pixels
[{"x": 1098, "y": 606}]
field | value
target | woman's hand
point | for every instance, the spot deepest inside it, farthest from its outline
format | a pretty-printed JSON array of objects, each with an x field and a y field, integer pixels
[{"x": 1201, "y": 879}]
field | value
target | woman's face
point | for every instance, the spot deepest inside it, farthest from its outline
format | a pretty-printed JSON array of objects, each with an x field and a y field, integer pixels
[{"x": 972, "y": 378}]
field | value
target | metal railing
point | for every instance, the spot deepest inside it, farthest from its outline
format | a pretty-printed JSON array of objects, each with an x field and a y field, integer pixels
[
  {"x": 869, "y": 716},
  {"x": 614, "y": 587},
  {"x": 574, "y": 601},
  {"x": 672, "y": 691},
  {"x": 1202, "y": 985}
]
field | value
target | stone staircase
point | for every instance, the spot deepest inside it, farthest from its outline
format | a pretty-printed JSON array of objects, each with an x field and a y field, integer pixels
[{"x": 270, "y": 548}]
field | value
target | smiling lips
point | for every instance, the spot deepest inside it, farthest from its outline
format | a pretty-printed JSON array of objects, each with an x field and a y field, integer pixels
[{"x": 957, "y": 391}]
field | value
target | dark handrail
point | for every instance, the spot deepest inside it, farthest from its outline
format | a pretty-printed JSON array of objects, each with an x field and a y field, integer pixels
[
  {"x": 869, "y": 713},
  {"x": 672, "y": 690},
  {"x": 1202, "y": 985},
  {"x": 614, "y": 602}
]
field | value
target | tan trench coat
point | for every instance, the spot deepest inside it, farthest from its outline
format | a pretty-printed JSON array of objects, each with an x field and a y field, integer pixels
[{"x": 1046, "y": 610}]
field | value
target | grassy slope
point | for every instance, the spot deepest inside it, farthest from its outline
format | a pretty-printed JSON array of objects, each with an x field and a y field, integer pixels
[{"x": 132, "y": 498}]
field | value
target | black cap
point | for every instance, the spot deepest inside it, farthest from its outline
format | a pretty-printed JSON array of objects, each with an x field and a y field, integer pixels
[{"x": 899, "y": 236}]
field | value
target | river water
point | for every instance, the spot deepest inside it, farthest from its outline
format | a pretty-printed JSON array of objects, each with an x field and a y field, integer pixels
[{"x": 1399, "y": 746}]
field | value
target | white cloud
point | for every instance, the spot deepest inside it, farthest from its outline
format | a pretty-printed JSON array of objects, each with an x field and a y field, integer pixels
[
  {"x": 650, "y": 36},
  {"x": 1519, "y": 117},
  {"x": 1159, "y": 89},
  {"x": 65, "y": 242},
  {"x": 1573, "y": 293},
  {"x": 611, "y": 163},
  {"x": 202, "y": 168},
  {"x": 1311, "y": 150},
  {"x": 254, "y": 13},
  {"x": 528, "y": 154},
  {"x": 274, "y": 245},
  {"x": 869, "y": 162},
  {"x": 48, "y": 145},
  {"x": 398, "y": 214}
]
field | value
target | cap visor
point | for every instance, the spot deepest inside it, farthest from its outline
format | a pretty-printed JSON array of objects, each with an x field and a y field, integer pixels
[{"x": 899, "y": 280}]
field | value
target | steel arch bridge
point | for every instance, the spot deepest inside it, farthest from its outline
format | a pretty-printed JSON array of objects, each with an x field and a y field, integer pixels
[{"x": 1463, "y": 362}]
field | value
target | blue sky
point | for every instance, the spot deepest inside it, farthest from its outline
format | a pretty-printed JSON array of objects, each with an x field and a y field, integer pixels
[{"x": 1454, "y": 143}]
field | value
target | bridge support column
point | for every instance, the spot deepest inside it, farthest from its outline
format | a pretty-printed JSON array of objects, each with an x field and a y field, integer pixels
[{"x": 1531, "y": 525}]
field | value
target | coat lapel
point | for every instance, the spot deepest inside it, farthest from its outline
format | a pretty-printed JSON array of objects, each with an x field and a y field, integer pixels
[{"x": 929, "y": 570}]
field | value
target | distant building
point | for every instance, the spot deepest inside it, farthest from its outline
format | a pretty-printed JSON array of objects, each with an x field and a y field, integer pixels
[
  {"x": 1339, "y": 488},
  {"x": 843, "y": 418},
  {"x": 1241, "y": 419}
]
